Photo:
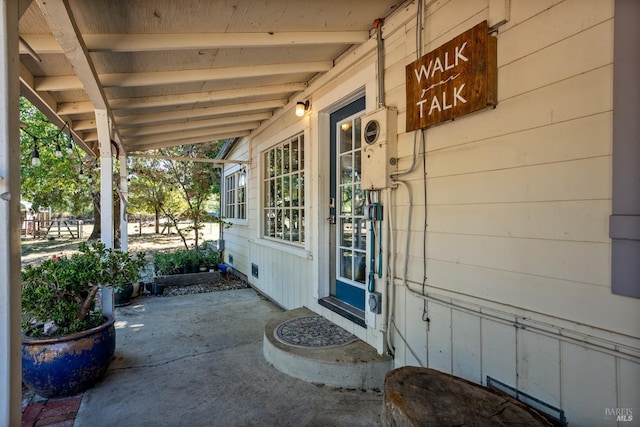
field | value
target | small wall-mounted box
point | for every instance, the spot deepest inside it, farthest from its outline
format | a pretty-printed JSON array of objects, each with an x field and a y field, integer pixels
[{"x": 380, "y": 147}]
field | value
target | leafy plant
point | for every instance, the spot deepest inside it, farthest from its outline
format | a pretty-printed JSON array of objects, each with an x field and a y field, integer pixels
[
  {"x": 179, "y": 260},
  {"x": 209, "y": 256},
  {"x": 163, "y": 262},
  {"x": 61, "y": 292}
]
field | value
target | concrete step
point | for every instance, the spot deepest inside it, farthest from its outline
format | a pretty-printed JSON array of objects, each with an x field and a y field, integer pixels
[{"x": 353, "y": 365}]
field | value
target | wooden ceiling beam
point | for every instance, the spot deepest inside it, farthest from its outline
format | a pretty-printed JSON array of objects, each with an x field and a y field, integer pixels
[
  {"x": 176, "y": 116},
  {"x": 84, "y": 125},
  {"x": 193, "y": 124},
  {"x": 60, "y": 20},
  {"x": 187, "y": 141},
  {"x": 201, "y": 97},
  {"x": 157, "y": 42},
  {"x": 155, "y": 78},
  {"x": 190, "y": 159},
  {"x": 186, "y": 134},
  {"x": 80, "y": 107}
]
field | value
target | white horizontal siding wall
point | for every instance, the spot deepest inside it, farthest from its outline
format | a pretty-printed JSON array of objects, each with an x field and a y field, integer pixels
[
  {"x": 282, "y": 276},
  {"x": 518, "y": 203},
  {"x": 237, "y": 236}
]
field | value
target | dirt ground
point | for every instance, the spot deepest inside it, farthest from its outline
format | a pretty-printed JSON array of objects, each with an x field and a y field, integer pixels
[{"x": 36, "y": 250}]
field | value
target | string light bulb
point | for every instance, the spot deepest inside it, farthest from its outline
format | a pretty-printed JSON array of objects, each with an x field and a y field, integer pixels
[
  {"x": 35, "y": 154},
  {"x": 70, "y": 145},
  {"x": 58, "y": 149}
]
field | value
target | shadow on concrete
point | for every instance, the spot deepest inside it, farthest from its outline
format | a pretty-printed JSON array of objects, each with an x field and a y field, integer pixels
[{"x": 197, "y": 360}]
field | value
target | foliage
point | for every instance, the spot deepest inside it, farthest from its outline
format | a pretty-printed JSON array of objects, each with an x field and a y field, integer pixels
[
  {"x": 196, "y": 182},
  {"x": 62, "y": 290},
  {"x": 150, "y": 189},
  {"x": 172, "y": 262},
  {"x": 55, "y": 183}
]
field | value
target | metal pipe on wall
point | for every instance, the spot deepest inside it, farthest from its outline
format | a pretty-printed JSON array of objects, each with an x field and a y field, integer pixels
[{"x": 377, "y": 24}]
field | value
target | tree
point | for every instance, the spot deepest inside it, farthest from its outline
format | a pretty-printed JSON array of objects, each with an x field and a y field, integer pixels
[
  {"x": 178, "y": 189},
  {"x": 196, "y": 181},
  {"x": 55, "y": 183},
  {"x": 149, "y": 188}
]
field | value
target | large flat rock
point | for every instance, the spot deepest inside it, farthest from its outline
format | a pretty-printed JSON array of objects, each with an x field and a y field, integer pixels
[{"x": 425, "y": 397}]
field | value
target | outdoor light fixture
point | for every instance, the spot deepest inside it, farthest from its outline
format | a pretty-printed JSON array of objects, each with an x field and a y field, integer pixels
[
  {"x": 35, "y": 155},
  {"x": 301, "y": 108},
  {"x": 70, "y": 145},
  {"x": 35, "y": 158},
  {"x": 58, "y": 149}
]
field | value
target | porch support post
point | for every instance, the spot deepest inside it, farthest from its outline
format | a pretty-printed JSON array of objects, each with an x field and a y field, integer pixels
[
  {"x": 124, "y": 190},
  {"x": 106, "y": 178},
  {"x": 10, "y": 289}
]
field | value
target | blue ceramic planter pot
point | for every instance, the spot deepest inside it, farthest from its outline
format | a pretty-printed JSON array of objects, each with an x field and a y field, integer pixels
[
  {"x": 123, "y": 297},
  {"x": 68, "y": 365}
]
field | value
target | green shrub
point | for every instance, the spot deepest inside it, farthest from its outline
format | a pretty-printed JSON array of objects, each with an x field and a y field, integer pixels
[{"x": 62, "y": 290}]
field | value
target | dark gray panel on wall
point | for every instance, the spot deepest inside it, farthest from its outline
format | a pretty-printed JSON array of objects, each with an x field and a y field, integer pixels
[{"x": 623, "y": 230}]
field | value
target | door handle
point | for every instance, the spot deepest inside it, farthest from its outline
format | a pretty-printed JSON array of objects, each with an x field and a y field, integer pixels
[{"x": 332, "y": 219}]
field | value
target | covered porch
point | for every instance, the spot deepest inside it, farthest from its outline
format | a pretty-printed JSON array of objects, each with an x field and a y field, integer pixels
[
  {"x": 126, "y": 79},
  {"x": 173, "y": 368}
]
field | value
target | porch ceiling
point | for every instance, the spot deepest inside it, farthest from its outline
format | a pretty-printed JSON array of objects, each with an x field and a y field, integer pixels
[{"x": 181, "y": 72}]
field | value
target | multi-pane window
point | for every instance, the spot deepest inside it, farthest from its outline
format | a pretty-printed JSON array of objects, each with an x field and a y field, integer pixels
[
  {"x": 283, "y": 207},
  {"x": 235, "y": 196}
]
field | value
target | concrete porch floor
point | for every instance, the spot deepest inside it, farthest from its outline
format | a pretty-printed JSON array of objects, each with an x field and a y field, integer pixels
[{"x": 197, "y": 360}]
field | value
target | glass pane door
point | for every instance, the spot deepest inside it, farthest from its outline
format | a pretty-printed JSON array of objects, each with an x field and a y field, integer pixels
[{"x": 351, "y": 231}]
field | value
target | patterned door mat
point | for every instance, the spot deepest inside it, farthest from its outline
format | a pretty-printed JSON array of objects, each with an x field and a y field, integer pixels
[{"x": 312, "y": 332}]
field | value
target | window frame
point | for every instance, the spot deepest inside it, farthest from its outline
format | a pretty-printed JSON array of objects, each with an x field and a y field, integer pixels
[
  {"x": 234, "y": 206},
  {"x": 283, "y": 191}
]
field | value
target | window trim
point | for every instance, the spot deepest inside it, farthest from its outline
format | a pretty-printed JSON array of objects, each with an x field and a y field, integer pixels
[
  {"x": 300, "y": 138},
  {"x": 233, "y": 190}
]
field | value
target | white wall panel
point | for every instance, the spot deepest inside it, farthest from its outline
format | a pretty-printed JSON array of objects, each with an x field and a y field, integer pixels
[
  {"x": 398, "y": 329},
  {"x": 569, "y": 57},
  {"x": 537, "y": 24},
  {"x": 629, "y": 386},
  {"x": 588, "y": 384},
  {"x": 578, "y": 221},
  {"x": 415, "y": 330},
  {"x": 559, "y": 102},
  {"x": 570, "y": 261},
  {"x": 439, "y": 338},
  {"x": 538, "y": 366},
  {"x": 580, "y": 138},
  {"x": 521, "y": 11},
  {"x": 566, "y": 300},
  {"x": 466, "y": 346},
  {"x": 446, "y": 20},
  {"x": 498, "y": 352},
  {"x": 584, "y": 179}
]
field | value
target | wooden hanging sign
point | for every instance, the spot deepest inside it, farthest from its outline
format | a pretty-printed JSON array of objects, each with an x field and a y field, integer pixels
[{"x": 455, "y": 79}]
